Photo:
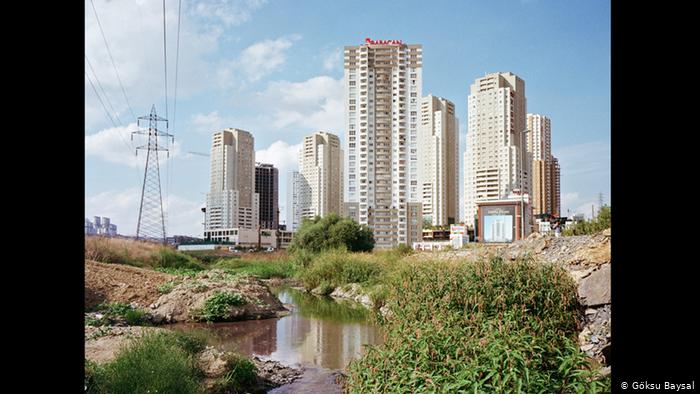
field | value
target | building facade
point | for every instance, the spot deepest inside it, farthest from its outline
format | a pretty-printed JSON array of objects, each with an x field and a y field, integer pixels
[
  {"x": 556, "y": 187},
  {"x": 231, "y": 202},
  {"x": 438, "y": 150},
  {"x": 539, "y": 145},
  {"x": 383, "y": 85},
  {"x": 320, "y": 185},
  {"x": 100, "y": 226},
  {"x": 496, "y": 161},
  {"x": 267, "y": 188},
  {"x": 293, "y": 221}
]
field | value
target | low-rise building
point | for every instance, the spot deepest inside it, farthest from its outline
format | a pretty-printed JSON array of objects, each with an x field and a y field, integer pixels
[{"x": 505, "y": 220}]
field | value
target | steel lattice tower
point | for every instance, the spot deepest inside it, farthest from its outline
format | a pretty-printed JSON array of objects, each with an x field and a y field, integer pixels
[{"x": 151, "y": 224}]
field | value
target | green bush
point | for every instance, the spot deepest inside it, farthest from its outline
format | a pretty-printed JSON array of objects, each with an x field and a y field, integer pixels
[
  {"x": 477, "y": 327},
  {"x": 218, "y": 306},
  {"x": 336, "y": 268},
  {"x": 116, "y": 310},
  {"x": 587, "y": 227},
  {"x": 169, "y": 258},
  {"x": 332, "y": 232},
  {"x": 241, "y": 375},
  {"x": 153, "y": 363}
]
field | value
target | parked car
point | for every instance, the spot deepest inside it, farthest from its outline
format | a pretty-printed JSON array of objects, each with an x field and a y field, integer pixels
[{"x": 270, "y": 249}]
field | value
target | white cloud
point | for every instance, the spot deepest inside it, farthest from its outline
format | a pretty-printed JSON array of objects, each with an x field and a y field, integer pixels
[
  {"x": 183, "y": 217},
  {"x": 207, "y": 123},
  {"x": 314, "y": 104},
  {"x": 333, "y": 59},
  {"x": 262, "y": 58},
  {"x": 114, "y": 145},
  {"x": 230, "y": 13},
  {"x": 135, "y": 36},
  {"x": 280, "y": 154}
]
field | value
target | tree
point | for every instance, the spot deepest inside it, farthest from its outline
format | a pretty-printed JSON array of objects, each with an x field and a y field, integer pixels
[{"x": 332, "y": 232}]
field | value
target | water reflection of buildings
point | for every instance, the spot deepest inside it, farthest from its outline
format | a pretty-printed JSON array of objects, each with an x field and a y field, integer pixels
[
  {"x": 325, "y": 343},
  {"x": 306, "y": 336}
]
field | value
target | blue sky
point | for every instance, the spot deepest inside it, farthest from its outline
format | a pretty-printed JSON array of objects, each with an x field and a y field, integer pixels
[{"x": 275, "y": 68}]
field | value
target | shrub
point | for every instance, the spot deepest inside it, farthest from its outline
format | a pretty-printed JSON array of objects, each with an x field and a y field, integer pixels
[
  {"x": 169, "y": 258},
  {"x": 332, "y": 232},
  {"x": 477, "y": 327},
  {"x": 218, "y": 306},
  {"x": 240, "y": 376},
  {"x": 153, "y": 363},
  {"x": 117, "y": 310},
  {"x": 336, "y": 268}
]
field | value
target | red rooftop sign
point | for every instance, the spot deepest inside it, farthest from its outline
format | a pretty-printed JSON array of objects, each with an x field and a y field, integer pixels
[{"x": 383, "y": 42}]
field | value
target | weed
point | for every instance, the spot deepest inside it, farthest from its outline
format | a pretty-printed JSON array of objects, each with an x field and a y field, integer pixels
[
  {"x": 218, "y": 306},
  {"x": 167, "y": 287},
  {"x": 153, "y": 363}
]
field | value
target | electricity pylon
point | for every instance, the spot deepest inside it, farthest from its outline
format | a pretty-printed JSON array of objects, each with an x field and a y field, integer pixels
[{"x": 151, "y": 224}]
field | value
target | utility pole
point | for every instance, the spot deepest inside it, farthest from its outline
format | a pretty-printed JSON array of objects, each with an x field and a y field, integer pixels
[
  {"x": 600, "y": 201},
  {"x": 151, "y": 223}
]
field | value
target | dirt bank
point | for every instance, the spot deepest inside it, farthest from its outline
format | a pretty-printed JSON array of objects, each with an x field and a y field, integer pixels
[
  {"x": 185, "y": 301},
  {"x": 107, "y": 283}
]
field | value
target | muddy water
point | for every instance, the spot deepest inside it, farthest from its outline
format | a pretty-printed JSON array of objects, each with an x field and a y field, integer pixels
[{"x": 320, "y": 334}]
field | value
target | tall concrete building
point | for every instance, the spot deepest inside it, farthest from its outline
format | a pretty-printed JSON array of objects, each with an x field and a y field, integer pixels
[
  {"x": 545, "y": 167},
  {"x": 438, "y": 163},
  {"x": 293, "y": 221},
  {"x": 320, "y": 185},
  {"x": 539, "y": 145},
  {"x": 267, "y": 188},
  {"x": 556, "y": 187},
  {"x": 231, "y": 202},
  {"x": 496, "y": 162},
  {"x": 383, "y": 85}
]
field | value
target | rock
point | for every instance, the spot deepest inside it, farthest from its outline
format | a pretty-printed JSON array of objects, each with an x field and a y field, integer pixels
[
  {"x": 594, "y": 339},
  {"x": 591, "y": 311},
  {"x": 586, "y": 348},
  {"x": 595, "y": 288},
  {"x": 606, "y": 233}
]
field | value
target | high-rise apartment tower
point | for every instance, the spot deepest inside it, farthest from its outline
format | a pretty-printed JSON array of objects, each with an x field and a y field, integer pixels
[
  {"x": 320, "y": 187},
  {"x": 496, "y": 162},
  {"x": 267, "y": 188},
  {"x": 231, "y": 202},
  {"x": 438, "y": 150},
  {"x": 383, "y": 85}
]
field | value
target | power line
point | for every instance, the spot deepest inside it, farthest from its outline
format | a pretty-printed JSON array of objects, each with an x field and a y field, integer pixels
[
  {"x": 112, "y": 59},
  {"x": 100, "y": 98},
  {"x": 177, "y": 59},
  {"x": 165, "y": 64},
  {"x": 103, "y": 91},
  {"x": 128, "y": 146}
]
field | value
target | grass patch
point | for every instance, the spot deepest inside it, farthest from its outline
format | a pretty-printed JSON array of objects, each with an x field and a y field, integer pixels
[
  {"x": 337, "y": 268},
  {"x": 153, "y": 363},
  {"x": 241, "y": 375},
  {"x": 167, "y": 287},
  {"x": 137, "y": 253},
  {"x": 218, "y": 306},
  {"x": 112, "y": 313},
  {"x": 477, "y": 327},
  {"x": 264, "y": 269},
  {"x": 182, "y": 272}
]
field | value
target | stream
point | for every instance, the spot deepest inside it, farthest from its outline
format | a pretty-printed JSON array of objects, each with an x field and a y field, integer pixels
[{"x": 320, "y": 334}]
